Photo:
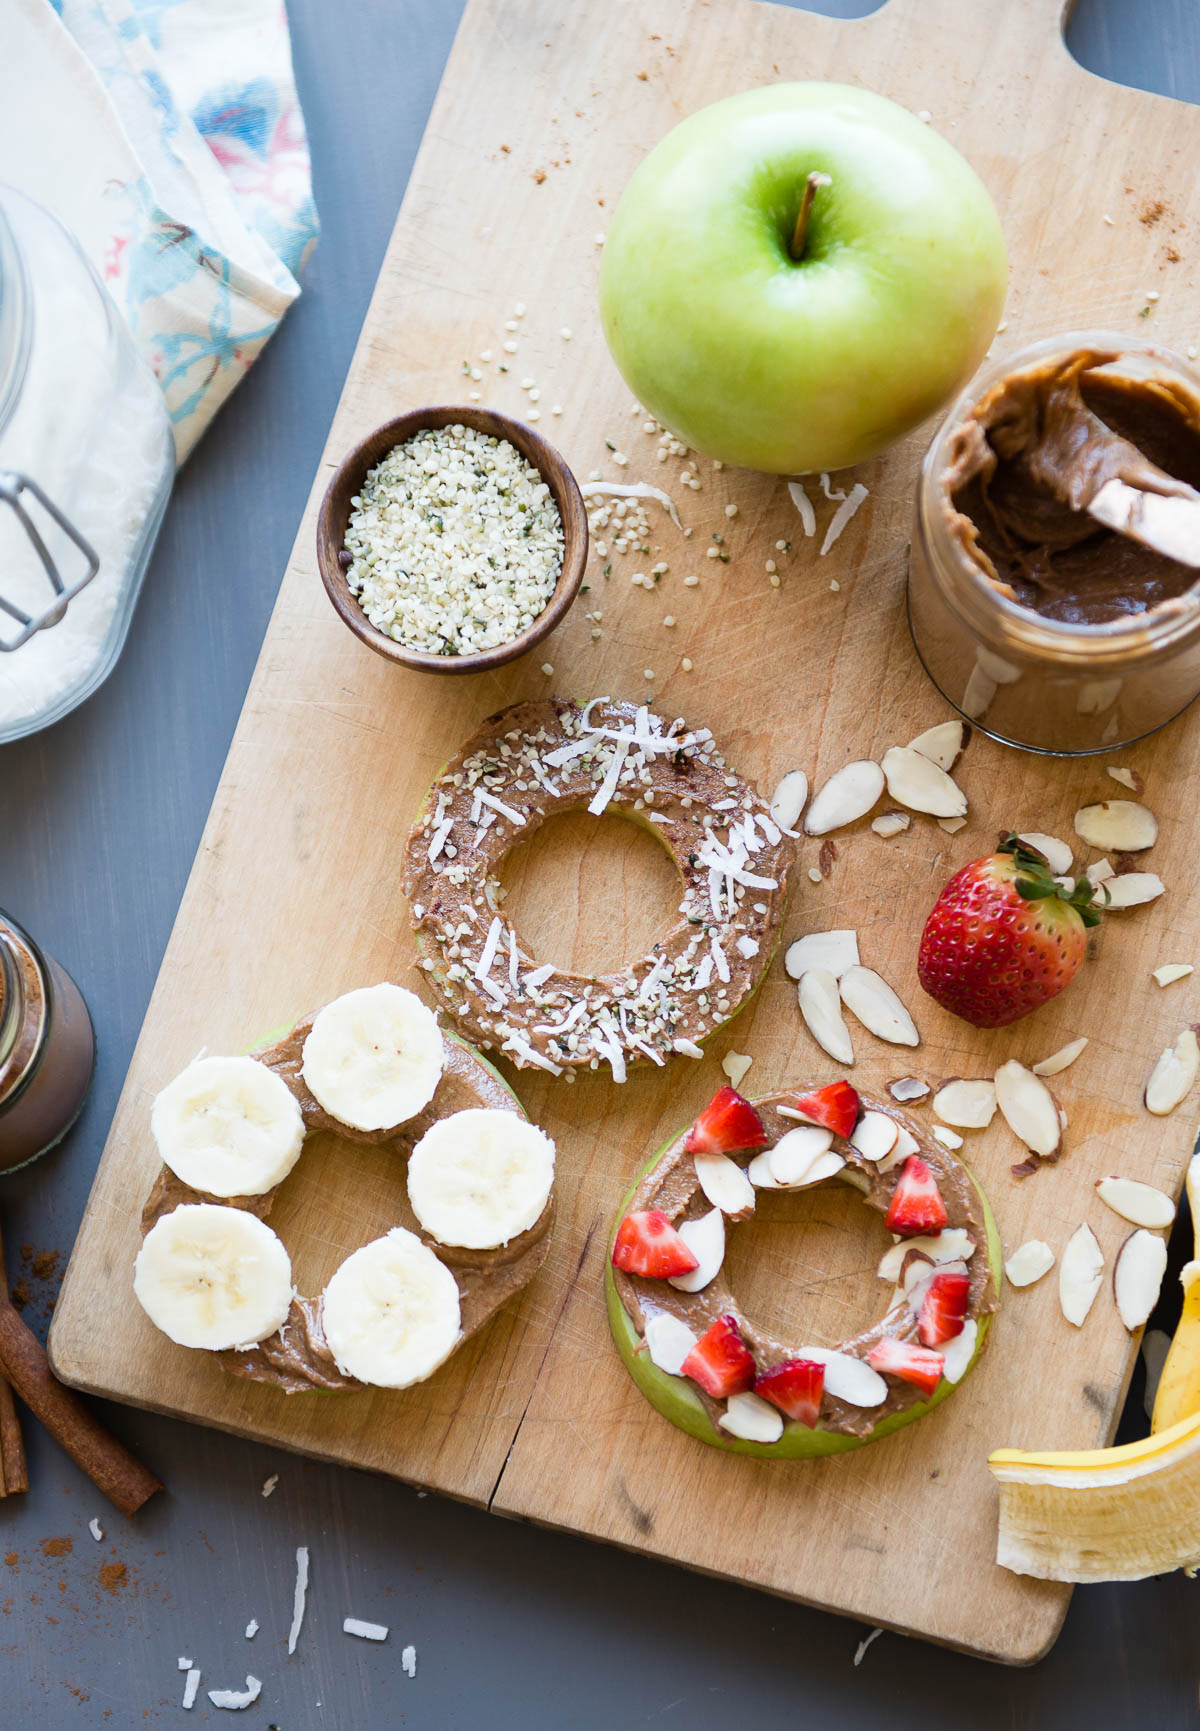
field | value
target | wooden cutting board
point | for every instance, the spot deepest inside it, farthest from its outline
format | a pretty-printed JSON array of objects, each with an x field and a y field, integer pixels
[{"x": 545, "y": 109}]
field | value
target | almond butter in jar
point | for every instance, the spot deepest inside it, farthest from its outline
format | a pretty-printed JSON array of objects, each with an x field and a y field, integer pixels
[
  {"x": 1046, "y": 628},
  {"x": 47, "y": 1049}
]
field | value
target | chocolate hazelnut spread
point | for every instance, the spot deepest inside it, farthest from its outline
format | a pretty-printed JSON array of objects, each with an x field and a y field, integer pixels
[
  {"x": 297, "y": 1357},
  {"x": 671, "y": 1185},
  {"x": 542, "y": 757},
  {"x": 47, "y": 1049},
  {"x": 1031, "y": 455}
]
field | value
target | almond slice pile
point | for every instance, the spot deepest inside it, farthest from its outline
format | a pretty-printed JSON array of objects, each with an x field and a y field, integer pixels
[
  {"x": 821, "y": 1007},
  {"x": 834, "y": 951},
  {"x": 1131, "y": 889},
  {"x": 917, "y": 782}
]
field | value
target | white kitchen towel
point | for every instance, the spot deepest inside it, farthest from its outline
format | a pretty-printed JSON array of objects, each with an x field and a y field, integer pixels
[{"x": 167, "y": 136}]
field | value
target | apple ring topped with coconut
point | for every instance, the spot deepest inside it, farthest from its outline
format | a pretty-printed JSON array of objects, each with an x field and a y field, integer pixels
[
  {"x": 708, "y": 1367},
  {"x": 538, "y": 758},
  {"x": 374, "y": 1067}
]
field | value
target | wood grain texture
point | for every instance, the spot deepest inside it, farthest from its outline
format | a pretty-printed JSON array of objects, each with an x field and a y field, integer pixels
[{"x": 294, "y": 894}]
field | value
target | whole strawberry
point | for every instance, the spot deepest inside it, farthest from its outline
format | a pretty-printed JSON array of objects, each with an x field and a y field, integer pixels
[{"x": 1004, "y": 937}]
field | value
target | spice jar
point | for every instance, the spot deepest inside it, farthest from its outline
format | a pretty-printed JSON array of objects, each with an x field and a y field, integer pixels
[
  {"x": 86, "y": 466},
  {"x": 1111, "y": 651},
  {"x": 46, "y": 1049}
]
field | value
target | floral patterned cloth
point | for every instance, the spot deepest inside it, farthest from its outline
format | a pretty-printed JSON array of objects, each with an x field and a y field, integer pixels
[{"x": 168, "y": 136}]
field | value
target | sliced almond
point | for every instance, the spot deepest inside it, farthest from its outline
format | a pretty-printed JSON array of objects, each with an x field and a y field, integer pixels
[
  {"x": 822, "y": 1011},
  {"x": 875, "y": 1135},
  {"x": 957, "y": 1354},
  {"x": 1172, "y": 971},
  {"x": 848, "y": 795},
  {"x": 1099, "y": 872},
  {"x": 1080, "y": 1275},
  {"x": 890, "y": 823},
  {"x": 735, "y": 1065},
  {"x": 1030, "y": 1109},
  {"x": 668, "y": 1341},
  {"x": 835, "y": 951},
  {"x": 1137, "y": 1277},
  {"x": 1128, "y": 778},
  {"x": 1174, "y": 1075},
  {"x": 968, "y": 1104},
  {"x": 1131, "y": 889},
  {"x": 760, "y": 1174},
  {"x": 917, "y": 782},
  {"x": 787, "y": 802},
  {"x": 1059, "y": 1060},
  {"x": 1057, "y": 854},
  {"x": 725, "y": 1184},
  {"x": 1140, "y": 1204},
  {"x": 752, "y": 1418},
  {"x": 848, "y": 1378},
  {"x": 797, "y": 1150},
  {"x": 951, "y": 1244},
  {"x": 1119, "y": 825},
  {"x": 952, "y": 825},
  {"x": 705, "y": 1238},
  {"x": 906, "y": 1144},
  {"x": 943, "y": 744},
  {"x": 824, "y": 1166},
  {"x": 1029, "y": 1262},
  {"x": 877, "y": 1007},
  {"x": 907, "y": 1089},
  {"x": 948, "y": 1138}
]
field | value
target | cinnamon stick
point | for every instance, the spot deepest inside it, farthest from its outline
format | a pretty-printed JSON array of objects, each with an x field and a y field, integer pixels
[{"x": 12, "y": 1448}]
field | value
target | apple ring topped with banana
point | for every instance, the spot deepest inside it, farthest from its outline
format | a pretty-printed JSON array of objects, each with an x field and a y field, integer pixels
[
  {"x": 707, "y": 1367},
  {"x": 372, "y": 1066},
  {"x": 538, "y": 758}
]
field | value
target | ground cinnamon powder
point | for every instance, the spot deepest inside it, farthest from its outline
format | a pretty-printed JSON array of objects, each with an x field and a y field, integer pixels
[{"x": 112, "y": 1577}]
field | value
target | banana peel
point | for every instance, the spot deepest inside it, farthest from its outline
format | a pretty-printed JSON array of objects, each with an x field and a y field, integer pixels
[
  {"x": 1179, "y": 1385},
  {"x": 1117, "y": 1514}
]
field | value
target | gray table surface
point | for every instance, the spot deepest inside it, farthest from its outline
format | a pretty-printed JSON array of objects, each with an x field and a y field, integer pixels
[{"x": 99, "y": 820}]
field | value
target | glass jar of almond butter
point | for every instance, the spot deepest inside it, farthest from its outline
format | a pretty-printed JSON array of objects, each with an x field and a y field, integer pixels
[{"x": 47, "y": 1049}]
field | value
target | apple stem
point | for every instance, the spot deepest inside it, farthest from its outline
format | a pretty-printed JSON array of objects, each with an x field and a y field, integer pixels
[{"x": 800, "y": 232}]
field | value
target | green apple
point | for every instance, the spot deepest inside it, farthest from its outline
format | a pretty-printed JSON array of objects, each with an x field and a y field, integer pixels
[
  {"x": 780, "y": 322},
  {"x": 677, "y": 1400}
]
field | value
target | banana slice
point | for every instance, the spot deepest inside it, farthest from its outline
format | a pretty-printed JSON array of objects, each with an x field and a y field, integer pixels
[
  {"x": 229, "y": 1126},
  {"x": 374, "y": 1057},
  {"x": 213, "y": 1277},
  {"x": 391, "y": 1312},
  {"x": 480, "y": 1177}
]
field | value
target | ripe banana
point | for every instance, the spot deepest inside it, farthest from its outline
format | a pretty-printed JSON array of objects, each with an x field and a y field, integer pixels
[
  {"x": 374, "y": 1057},
  {"x": 228, "y": 1126},
  {"x": 480, "y": 1177},
  {"x": 1178, "y": 1394},
  {"x": 213, "y": 1277},
  {"x": 391, "y": 1312}
]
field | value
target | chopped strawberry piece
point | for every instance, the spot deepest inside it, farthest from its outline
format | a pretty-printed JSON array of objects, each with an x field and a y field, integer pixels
[
  {"x": 727, "y": 1123},
  {"x": 908, "y": 1361},
  {"x": 720, "y": 1361},
  {"x": 944, "y": 1308},
  {"x": 648, "y": 1244},
  {"x": 835, "y": 1106},
  {"x": 917, "y": 1204},
  {"x": 795, "y": 1387}
]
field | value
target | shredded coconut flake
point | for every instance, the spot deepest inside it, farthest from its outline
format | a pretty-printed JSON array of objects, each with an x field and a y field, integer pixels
[
  {"x": 633, "y": 490},
  {"x": 364, "y": 1631},
  {"x": 539, "y": 976},
  {"x": 269, "y": 1484},
  {"x": 507, "y": 811},
  {"x": 490, "y": 945},
  {"x": 803, "y": 504},
  {"x": 185, "y": 1664},
  {"x": 252, "y": 1628},
  {"x": 408, "y": 1661},
  {"x": 191, "y": 1686},
  {"x": 829, "y": 490},
  {"x": 235, "y": 1697},
  {"x": 97, "y": 1532},
  {"x": 299, "y": 1596},
  {"x": 843, "y": 515},
  {"x": 860, "y": 1652}
]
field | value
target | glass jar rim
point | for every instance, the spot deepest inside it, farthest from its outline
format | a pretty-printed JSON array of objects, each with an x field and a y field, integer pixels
[
  {"x": 978, "y": 603},
  {"x": 16, "y": 317}
]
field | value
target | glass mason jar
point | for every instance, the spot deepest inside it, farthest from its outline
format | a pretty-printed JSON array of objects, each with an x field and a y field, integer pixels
[
  {"x": 1040, "y": 683},
  {"x": 47, "y": 1049},
  {"x": 86, "y": 465}
]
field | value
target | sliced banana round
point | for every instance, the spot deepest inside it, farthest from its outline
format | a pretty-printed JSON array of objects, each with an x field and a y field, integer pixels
[
  {"x": 213, "y": 1277},
  {"x": 374, "y": 1057},
  {"x": 228, "y": 1126},
  {"x": 480, "y": 1177},
  {"x": 391, "y": 1312}
]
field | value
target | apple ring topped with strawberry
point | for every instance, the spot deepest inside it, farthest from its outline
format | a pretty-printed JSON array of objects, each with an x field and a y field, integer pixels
[{"x": 708, "y": 1366}]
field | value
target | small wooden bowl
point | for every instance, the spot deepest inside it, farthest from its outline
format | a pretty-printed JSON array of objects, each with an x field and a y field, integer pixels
[{"x": 334, "y": 517}]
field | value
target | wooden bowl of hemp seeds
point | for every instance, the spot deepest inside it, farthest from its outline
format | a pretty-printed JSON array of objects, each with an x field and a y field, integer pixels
[{"x": 452, "y": 539}]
